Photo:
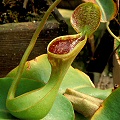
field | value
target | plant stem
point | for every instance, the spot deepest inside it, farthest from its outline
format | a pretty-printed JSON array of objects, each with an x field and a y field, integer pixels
[
  {"x": 13, "y": 87},
  {"x": 117, "y": 38}
]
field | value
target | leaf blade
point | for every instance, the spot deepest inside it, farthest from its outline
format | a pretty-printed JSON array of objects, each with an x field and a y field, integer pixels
[{"x": 108, "y": 9}]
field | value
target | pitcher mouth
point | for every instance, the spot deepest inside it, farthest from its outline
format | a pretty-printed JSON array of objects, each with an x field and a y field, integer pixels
[{"x": 64, "y": 45}]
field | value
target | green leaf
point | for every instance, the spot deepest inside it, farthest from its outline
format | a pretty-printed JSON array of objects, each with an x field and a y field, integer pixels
[
  {"x": 110, "y": 108},
  {"x": 65, "y": 110},
  {"x": 72, "y": 79},
  {"x": 75, "y": 78},
  {"x": 62, "y": 110},
  {"x": 108, "y": 9},
  {"x": 86, "y": 18},
  {"x": 24, "y": 86},
  {"x": 5, "y": 84},
  {"x": 79, "y": 116},
  {"x": 38, "y": 69},
  {"x": 95, "y": 92}
]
